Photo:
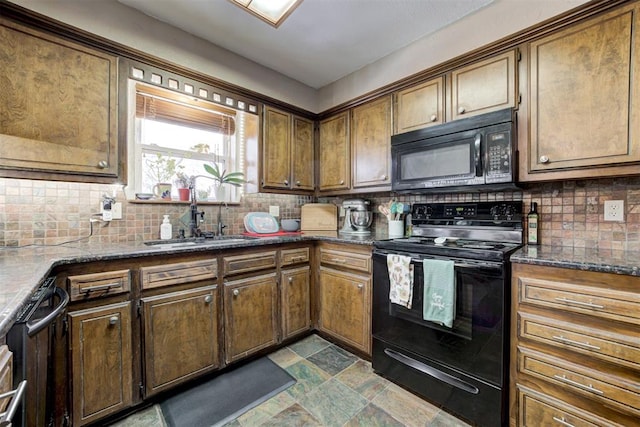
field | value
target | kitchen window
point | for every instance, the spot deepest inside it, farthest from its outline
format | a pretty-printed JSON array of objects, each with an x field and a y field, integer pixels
[{"x": 174, "y": 135}]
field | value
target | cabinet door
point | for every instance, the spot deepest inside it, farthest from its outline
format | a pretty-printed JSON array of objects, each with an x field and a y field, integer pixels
[
  {"x": 250, "y": 310},
  {"x": 371, "y": 144},
  {"x": 59, "y": 108},
  {"x": 484, "y": 86},
  {"x": 180, "y": 336},
  {"x": 302, "y": 155},
  {"x": 101, "y": 361},
  {"x": 276, "y": 160},
  {"x": 345, "y": 307},
  {"x": 335, "y": 168},
  {"x": 296, "y": 315},
  {"x": 420, "y": 106},
  {"x": 585, "y": 94}
]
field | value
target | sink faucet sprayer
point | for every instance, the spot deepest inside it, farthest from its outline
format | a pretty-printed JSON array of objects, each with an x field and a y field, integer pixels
[{"x": 197, "y": 216}]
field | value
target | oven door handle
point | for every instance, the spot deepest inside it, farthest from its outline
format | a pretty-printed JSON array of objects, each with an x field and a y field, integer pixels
[
  {"x": 7, "y": 416},
  {"x": 34, "y": 328},
  {"x": 433, "y": 372},
  {"x": 477, "y": 158},
  {"x": 488, "y": 264}
]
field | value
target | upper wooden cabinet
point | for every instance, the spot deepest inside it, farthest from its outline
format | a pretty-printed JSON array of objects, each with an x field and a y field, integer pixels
[
  {"x": 584, "y": 100},
  {"x": 335, "y": 170},
  {"x": 58, "y": 109},
  {"x": 371, "y": 144},
  {"x": 478, "y": 88},
  {"x": 287, "y": 153}
]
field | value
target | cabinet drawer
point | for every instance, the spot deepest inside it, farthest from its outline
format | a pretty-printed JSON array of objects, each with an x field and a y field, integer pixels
[
  {"x": 178, "y": 273},
  {"x": 536, "y": 409},
  {"x": 294, "y": 256},
  {"x": 602, "y": 302},
  {"x": 350, "y": 260},
  {"x": 609, "y": 389},
  {"x": 616, "y": 346},
  {"x": 87, "y": 286},
  {"x": 248, "y": 262}
]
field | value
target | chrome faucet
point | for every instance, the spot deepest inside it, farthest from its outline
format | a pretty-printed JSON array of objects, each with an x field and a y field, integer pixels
[
  {"x": 220, "y": 228},
  {"x": 196, "y": 216}
]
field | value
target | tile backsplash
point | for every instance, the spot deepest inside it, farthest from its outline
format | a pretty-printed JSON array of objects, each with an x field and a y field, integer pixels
[{"x": 46, "y": 212}]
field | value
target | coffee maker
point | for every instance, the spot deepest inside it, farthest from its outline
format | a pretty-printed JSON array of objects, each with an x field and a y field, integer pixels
[{"x": 357, "y": 217}]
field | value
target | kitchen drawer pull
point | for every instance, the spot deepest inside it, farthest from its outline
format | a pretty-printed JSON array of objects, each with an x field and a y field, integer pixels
[
  {"x": 99, "y": 288},
  {"x": 208, "y": 299},
  {"x": 113, "y": 320},
  {"x": 589, "y": 387},
  {"x": 584, "y": 304},
  {"x": 103, "y": 164},
  {"x": 340, "y": 260},
  {"x": 578, "y": 343},
  {"x": 298, "y": 258},
  {"x": 562, "y": 421}
]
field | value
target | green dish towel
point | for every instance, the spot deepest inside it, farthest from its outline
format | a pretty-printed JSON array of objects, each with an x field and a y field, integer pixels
[{"x": 439, "y": 302}]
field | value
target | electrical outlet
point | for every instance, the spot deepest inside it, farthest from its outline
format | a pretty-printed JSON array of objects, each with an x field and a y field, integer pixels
[
  {"x": 116, "y": 210},
  {"x": 109, "y": 214},
  {"x": 274, "y": 210},
  {"x": 614, "y": 210}
]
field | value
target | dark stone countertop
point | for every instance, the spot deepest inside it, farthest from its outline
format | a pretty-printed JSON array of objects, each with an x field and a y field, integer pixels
[
  {"x": 600, "y": 260},
  {"x": 22, "y": 270}
]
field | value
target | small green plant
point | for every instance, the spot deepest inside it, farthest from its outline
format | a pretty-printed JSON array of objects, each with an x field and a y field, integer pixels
[
  {"x": 222, "y": 177},
  {"x": 162, "y": 168},
  {"x": 183, "y": 180}
]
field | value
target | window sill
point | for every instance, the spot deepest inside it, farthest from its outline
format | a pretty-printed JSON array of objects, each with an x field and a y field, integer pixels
[{"x": 178, "y": 202}]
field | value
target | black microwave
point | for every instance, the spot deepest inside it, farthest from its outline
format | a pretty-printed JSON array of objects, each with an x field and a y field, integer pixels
[{"x": 474, "y": 154}]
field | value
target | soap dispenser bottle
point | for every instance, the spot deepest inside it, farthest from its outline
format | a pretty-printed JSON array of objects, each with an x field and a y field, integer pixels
[{"x": 165, "y": 228}]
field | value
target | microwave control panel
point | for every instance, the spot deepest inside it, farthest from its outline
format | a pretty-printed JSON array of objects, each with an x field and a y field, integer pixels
[{"x": 499, "y": 156}]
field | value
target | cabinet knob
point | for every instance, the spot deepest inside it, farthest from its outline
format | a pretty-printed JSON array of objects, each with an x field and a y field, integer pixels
[
  {"x": 113, "y": 320},
  {"x": 383, "y": 177},
  {"x": 434, "y": 117},
  {"x": 544, "y": 159},
  {"x": 360, "y": 286},
  {"x": 208, "y": 299},
  {"x": 290, "y": 279},
  {"x": 342, "y": 182},
  {"x": 286, "y": 182},
  {"x": 461, "y": 110},
  {"x": 298, "y": 183},
  {"x": 236, "y": 292},
  {"x": 103, "y": 164}
]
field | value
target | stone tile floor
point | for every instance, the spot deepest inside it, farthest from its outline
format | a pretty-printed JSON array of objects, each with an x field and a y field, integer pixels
[{"x": 334, "y": 388}]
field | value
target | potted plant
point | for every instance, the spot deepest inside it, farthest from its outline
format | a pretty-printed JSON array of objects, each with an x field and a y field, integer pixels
[
  {"x": 183, "y": 182},
  {"x": 222, "y": 177},
  {"x": 160, "y": 170}
]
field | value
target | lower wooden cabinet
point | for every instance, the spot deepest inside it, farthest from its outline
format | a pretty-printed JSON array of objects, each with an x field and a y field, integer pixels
[
  {"x": 296, "y": 317},
  {"x": 250, "y": 315},
  {"x": 101, "y": 361},
  {"x": 180, "y": 336}
]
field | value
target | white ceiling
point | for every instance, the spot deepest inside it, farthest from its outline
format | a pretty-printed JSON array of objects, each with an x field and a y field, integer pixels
[{"x": 322, "y": 41}]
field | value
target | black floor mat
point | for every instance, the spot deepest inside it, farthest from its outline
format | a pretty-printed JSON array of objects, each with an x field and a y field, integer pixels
[{"x": 227, "y": 396}]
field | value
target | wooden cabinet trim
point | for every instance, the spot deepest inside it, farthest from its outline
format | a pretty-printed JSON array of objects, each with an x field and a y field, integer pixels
[
  {"x": 420, "y": 106},
  {"x": 355, "y": 261},
  {"x": 178, "y": 273},
  {"x": 95, "y": 285},
  {"x": 295, "y": 304},
  {"x": 294, "y": 256}
]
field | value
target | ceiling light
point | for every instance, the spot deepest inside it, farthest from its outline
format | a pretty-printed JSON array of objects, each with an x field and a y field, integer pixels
[{"x": 273, "y": 12}]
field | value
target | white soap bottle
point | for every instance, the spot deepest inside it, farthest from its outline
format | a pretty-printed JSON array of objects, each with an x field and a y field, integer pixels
[{"x": 165, "y": 228}]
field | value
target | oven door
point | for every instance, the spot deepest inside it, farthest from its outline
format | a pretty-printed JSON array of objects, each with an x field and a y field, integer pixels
[
  {"x": 475, "y": 344},
  {"x": 444, "y": 161}
]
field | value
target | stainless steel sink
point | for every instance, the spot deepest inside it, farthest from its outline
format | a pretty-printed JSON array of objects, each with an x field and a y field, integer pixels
[{"x": 191, "y": 242}]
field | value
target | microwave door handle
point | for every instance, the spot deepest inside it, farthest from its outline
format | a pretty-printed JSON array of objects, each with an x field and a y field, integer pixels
[{"x": 477, "y": 157}]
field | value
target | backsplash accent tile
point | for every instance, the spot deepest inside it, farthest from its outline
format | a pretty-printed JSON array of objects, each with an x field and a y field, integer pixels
[{"x": 46, "y": 212}]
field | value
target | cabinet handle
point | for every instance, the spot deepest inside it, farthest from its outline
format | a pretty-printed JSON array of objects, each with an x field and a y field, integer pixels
[
  {"x": 297, "y": 258},
  {"x": 103, "y": 164},
  {"x": 461, "y": 110},
  {"x": 562, "y": 421},
  {"x": 113, "y": 320},
  {"x": 589, "y": 387},
  {"x": 340, "y": 260},
  {"x": 236, "y": 292},
  {"x": 286, "y": 182},
  {"x": 208, "y": 299},
  {"x": 434, "y": 117},
  {"x": 578, "y": 343},
  {"x": 584, "y": 304},
  {"x": 544, "y": 159},
  {"x": 106, "y": 287}
]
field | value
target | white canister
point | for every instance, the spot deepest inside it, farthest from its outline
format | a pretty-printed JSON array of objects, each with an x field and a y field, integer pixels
[{"x": 396, "y": 229}]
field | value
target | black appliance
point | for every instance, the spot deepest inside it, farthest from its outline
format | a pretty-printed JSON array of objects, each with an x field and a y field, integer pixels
[
  {"x": 463, "y": 368},
  {"x": 31, "y": 341},
  {"x": 477, "y": 153}
]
